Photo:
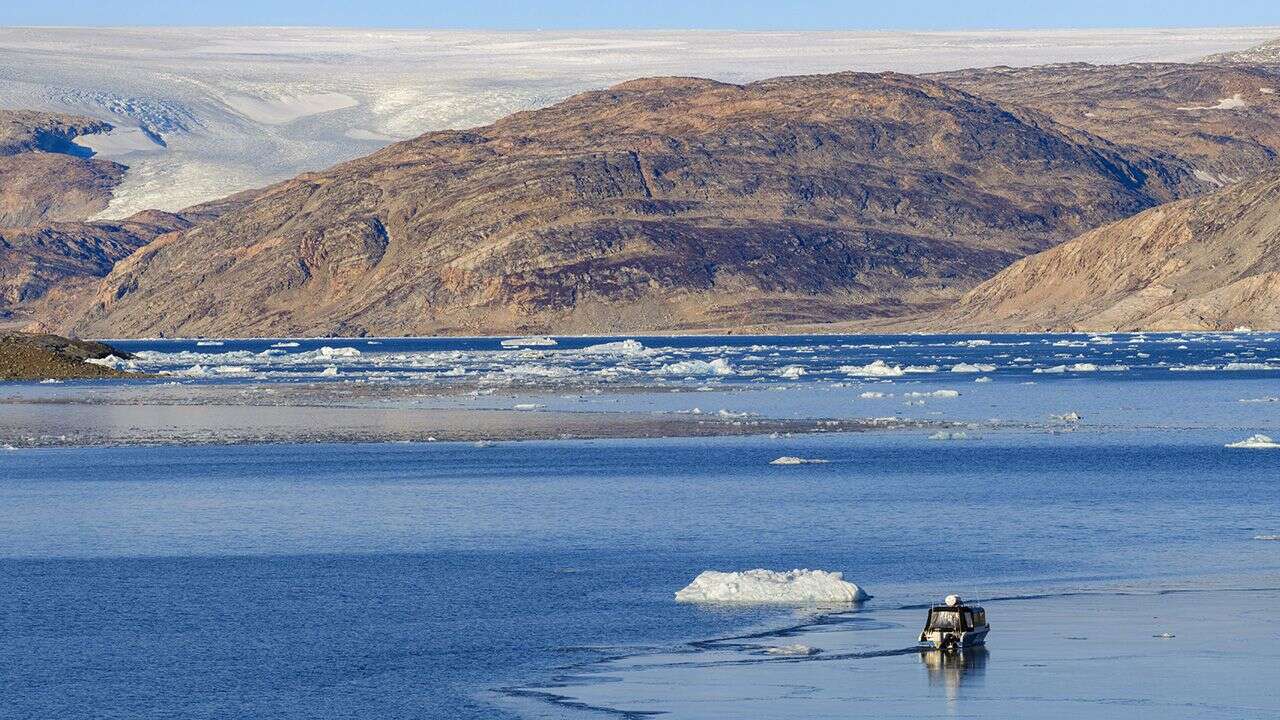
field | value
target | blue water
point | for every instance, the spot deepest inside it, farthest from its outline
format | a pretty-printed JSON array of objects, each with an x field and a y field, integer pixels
[
  {"x": 407, "y": 581},
  {"x": 421, "y": 580}
]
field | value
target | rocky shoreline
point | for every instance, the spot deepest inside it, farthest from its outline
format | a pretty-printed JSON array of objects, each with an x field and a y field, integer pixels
[{"x": 31, "y": 356}]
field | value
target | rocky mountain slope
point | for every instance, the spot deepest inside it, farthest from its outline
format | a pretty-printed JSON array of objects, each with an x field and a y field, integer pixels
[
  {"x": 1206, "y": 263},
  {"x": 45, "y": 266},
  {"x": 1223, "y": 119},
  {"x": 44, "y": 175},
  {"x": 666, "y": 203}
]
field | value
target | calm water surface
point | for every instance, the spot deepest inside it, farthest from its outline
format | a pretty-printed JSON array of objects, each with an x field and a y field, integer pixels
[{"x": 420, "y": 580}]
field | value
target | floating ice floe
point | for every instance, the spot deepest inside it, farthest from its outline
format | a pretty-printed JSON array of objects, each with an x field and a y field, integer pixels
[
  {"x": 934, "y": 394},
  {"x": 113, "y": 362},
  {"x": 944, "y": 435},
  {"x": 879, "y": 368},
  {"x": 197, "y": 371},
  {"x": 1068, "y": 417},
  {"x": 1255, "y": 442},
  {"x": 331, "y": 371},
  {"x": 621, "y": 347},
  {"x": 284, "y": 345},
  {"x": 528, "y": 342},
  {"x": 771, "y": 587},
  {"x": 796, "y": 650},
  {"x": 875, "y": 368},
  {"x": 983, "y": 379},
  {"x": 792, "y": 460},
  {"x": 527, "y": 406},
  {"x": 209, "y": 343},
  {"x": 691, "y": 368},
  {"x": 873, "y": 395},
  {"x": 972, "y": 368},
  {"x": 1267, "y": 399},
  {"x": 1267, "y": 537},
  {"x": 339, "y": 352},
  {"x": 50, "y": 381},
  {"x": 791, "y": 372}
]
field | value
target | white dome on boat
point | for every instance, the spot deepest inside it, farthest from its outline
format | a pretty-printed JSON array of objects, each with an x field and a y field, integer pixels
[{"x": 952, "y": 600}]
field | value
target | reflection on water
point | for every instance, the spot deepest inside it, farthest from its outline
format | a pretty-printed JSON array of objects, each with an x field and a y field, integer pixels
[{"x": 950, "y": 670}]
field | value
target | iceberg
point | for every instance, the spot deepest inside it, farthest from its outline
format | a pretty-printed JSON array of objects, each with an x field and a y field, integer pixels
[
  {"x": 528, "y": 342},
  {"x": 876, "y": 368},
  {"x": 792, "y": 460},
  {"x": 342, "y": 352},
  {"x": 972, "y": 368},
  {"x": 791, "y": 372},
  {"x": 934, "y": 394},
  {"x": 771, "y": 587},
  {"x": 686, "y": 368},
  {"x": 872, "y": 395},
  {"x": 209, "y": 343},
  {"x": 1255, "y": 442},
  {"x": 622, "y": 347}
]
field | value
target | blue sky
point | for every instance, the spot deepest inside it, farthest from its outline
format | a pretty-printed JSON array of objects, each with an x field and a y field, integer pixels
[{"x": 702, "y": 14}]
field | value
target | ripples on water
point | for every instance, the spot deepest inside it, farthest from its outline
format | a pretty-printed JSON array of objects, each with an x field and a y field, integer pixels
[{"x": 415, "y": 580}]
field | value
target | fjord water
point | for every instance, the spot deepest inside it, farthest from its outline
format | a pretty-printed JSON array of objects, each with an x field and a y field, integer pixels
[{"x": 422, "y": 580}]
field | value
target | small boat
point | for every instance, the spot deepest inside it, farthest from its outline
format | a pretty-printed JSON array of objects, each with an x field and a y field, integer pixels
[{"x": 953, "y": 625}]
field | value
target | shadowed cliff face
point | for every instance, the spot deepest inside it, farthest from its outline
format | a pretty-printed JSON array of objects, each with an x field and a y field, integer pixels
[
  {"x": 1207, "y": 263},
  {"x": 44, "y": 175},
  {"x": 657, "y": 204}
]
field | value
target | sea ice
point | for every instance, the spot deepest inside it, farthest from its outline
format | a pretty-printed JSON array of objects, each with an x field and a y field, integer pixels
[
  {"x": 1255, "y": 442},
  {"x": 792, "y": 460},
  {"x": 934, "y": 394},
  {"x": 972, "y": 368},
  {"x": 621, "y": 347},
  {"x": 771, "y": 587},
  {"x": 944, "y": 435},
  {"x": 796, "y": 650},
  {"x": 876, "y": 368},
  {"x": 873, "y": 395},
  {"x": 791, "y": 372},
  {"x": 528, "y": 342},
  {"x": 687, "y": 368}
]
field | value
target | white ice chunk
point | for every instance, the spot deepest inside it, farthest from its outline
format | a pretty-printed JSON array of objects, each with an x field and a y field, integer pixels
[
  {"x": 686, "y": 368},
  {"x": 876, "y": 368},
  {"x": 1255, "y": 442},
  {"x": 796, "y": 650},
  {"x": 528, "y": 342},
  {"x": 792, "y": 460},
  {"x": 771, "y": 587},
  {"x": 972, "y": 368}
]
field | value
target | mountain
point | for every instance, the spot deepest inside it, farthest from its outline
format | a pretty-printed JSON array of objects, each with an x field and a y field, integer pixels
[
  {"x": 44, "y": 175},
  {"x": 1206, "y": 263},
  {"x": 47, "y": 265},
  {"x": 1222, "y": 119},
  {"x": 660, "y": 204}
]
